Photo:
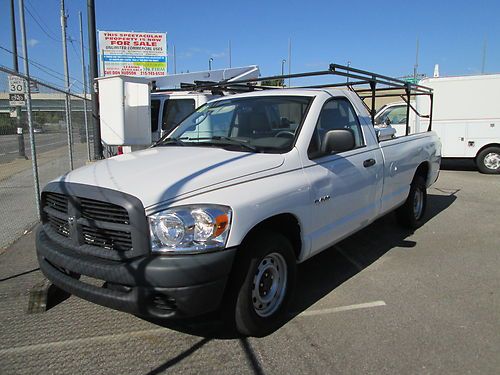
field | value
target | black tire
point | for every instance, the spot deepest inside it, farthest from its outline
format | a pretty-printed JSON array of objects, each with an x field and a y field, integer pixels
[
  {"x": 411, "y": 213},
  {"x": 240, "y": 307},
  {"x": 485, "y": 158}
]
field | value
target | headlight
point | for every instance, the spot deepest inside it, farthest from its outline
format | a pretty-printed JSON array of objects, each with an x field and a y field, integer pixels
[{"x": 190, "y": 229}]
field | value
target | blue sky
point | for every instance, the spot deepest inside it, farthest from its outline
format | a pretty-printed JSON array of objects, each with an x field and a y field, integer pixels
[{"x": 374, "y": 35}]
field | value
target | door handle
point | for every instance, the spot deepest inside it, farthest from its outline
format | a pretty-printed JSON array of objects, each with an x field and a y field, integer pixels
[{"x": 369, "y": 162}]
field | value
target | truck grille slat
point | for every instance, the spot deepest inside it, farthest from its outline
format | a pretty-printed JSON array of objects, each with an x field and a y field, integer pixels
[
  {"x": 97, "y": 213},
  {"x": 58, "y": 202},
  {"x": 59, "y": 225}
]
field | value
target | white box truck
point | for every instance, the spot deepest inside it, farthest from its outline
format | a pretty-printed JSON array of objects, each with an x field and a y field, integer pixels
[{"x": 466, "y": 116}]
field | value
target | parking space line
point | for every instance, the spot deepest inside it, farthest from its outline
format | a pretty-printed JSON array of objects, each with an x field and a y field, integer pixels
[
  {"x": 85, "y": 340},
  {"x": 342, "y": 308}
]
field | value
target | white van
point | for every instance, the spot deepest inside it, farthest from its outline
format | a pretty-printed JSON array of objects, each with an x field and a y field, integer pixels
[{"x": 466, "y": 116}]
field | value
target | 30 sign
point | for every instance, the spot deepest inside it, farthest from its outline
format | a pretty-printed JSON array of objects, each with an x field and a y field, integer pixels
[{"x": 17, "y": 91}]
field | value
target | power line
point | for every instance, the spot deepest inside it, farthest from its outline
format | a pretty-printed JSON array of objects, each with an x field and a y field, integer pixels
[
  {"x": 40, "y": 26},
  {"x": 45, "y": 69}
]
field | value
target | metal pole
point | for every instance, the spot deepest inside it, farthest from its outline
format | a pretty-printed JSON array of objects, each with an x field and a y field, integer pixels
[
  {"x": 229, "y": 48},
  {"x": 210, "y": 63},
  {"x": 483, "y": 66},
  {"x": 289, "y": 61},
  {"x": 407, "y": 91},
  {"x": 283, "y": 70},
  {"x": 34, "y": 163},
  {"x": 93, "y": 74},
  {"x": 415, "y": 67},
  {"x": 67, "y": 98},
  {"x": 348, "y": 66},
  {"x": 175, "y": 61},
  {"x": 84, "y": 80},
  {"x": 373, "y": 86},
  {"x": 15, "y": 66}
]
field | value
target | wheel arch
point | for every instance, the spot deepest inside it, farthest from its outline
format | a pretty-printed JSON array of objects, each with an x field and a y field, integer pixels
[
  {"x": 423, "y": 170},
  {"x": 285, "y": 223},
  {"x": 485, "y": 147}
]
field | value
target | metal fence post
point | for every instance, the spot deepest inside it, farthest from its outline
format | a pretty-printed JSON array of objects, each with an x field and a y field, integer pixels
[
  {"x": 66, "y": 78},
  {"x": 28, "y": 107},
  {"x": 84, "y": 80}
]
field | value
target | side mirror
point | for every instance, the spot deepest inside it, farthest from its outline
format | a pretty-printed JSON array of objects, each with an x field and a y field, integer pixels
[
  {"x": 338, "y": 140},
  {"x": 387, "y": 121}
]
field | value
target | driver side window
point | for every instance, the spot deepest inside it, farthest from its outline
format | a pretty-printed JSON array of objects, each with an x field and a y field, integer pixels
[
  {"x": 337, "y": 113},
  {"x": 395, "y": 115}
]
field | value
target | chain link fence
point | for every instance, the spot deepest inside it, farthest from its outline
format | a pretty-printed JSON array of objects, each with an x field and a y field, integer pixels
[{"x": 54, "y": 146}]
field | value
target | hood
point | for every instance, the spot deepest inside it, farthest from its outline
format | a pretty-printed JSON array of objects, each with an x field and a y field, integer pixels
[{"x": 163, "y": 173}]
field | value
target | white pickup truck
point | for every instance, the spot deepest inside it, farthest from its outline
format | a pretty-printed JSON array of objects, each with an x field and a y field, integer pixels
[{"x": 221, "y": 211}]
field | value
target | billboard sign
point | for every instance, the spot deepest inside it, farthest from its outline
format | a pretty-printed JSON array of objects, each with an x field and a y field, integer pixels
[{"x": 133, "y": 54}]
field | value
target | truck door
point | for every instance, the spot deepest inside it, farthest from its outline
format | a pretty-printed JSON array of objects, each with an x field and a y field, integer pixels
[{"x": 345, "y": 187}]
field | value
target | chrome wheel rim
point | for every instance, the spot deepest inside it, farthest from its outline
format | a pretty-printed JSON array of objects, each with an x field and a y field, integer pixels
[
  {"x": 492, "y": 161},
  {"x": 269, "y": 285},
  {"x": 418, "y": 203}
]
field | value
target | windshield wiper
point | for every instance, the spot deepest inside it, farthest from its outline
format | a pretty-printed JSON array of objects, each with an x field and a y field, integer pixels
[
  {"x": 228, "y": 140},
  {"x": 171, "y": 141}
]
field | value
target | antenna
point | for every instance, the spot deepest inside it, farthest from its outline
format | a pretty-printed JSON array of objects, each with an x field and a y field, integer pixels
[
  {"x": 485, "y": 46},
  {"x": 415, "y": 67}
]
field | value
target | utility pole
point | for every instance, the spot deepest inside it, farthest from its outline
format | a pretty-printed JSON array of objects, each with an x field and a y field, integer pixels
[
  {"x": 175, "y": 61},
  {"x": 15, "y": 66},
  {"x": 289, "y": 60},
  {"x": 229, "y": 51},
  {"x": 34, "y": 163},
  {"x": 415, "y": 67},
  {"x": 93, "y": 74},
  {"x": 67, "y": 88},
  {"x": 283, "y": 71},
  {"x": 483, "y": 66},
  {"x": 84, "y": 80}
]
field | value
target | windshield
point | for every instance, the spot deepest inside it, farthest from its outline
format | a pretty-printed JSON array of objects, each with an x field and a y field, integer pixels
[{"x": 259, "y": 124}]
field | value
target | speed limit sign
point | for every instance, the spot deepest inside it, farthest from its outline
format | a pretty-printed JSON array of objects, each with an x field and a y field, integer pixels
[{"x": 17, "y": 91}]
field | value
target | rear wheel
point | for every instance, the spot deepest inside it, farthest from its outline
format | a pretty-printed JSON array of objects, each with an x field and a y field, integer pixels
[
  {"x": 266, "y": 271},
  {"x": 411, "y": 213},
  {"x": 488, "y": 160}
]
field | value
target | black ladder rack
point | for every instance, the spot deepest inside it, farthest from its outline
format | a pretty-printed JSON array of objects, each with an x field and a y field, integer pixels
[{"x": 364, "y": 83}]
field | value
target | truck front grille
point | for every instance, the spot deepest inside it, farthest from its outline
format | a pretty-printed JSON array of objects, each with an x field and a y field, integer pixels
[{"x": 88, "y": 221}]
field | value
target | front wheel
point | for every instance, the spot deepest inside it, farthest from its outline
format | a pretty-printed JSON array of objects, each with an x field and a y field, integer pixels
[
  {"x": 411, "y": 213},
  {"x": 268, "y": 267},
  {"x": 488, "y": 160}
]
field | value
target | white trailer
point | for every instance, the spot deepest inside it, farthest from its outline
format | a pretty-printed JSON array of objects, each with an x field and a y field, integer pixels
[{"x": 466, "y": 116}]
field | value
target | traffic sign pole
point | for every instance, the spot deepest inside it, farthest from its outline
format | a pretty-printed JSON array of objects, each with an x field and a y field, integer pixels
[{"x": 15, "y": 66}]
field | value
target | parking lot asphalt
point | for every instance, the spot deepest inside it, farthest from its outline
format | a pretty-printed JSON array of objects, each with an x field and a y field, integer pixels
[{"x": 384, "y": 301}]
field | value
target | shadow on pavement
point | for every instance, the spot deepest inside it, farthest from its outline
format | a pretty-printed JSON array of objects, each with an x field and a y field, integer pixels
[
  {"x": 171, "y": 362},
  {"x": 20, "y": 274},
  {"x": 320, "y": 275}
]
